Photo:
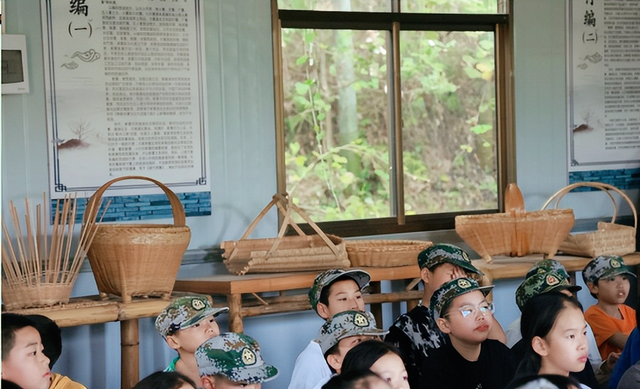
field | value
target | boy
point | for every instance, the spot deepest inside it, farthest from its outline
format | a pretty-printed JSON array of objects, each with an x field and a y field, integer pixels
[
  {"x": 232, "y": 360},
  {"x": 184, "y": 324},
  {"x": 341, "y": 333},
  {"x": 333, "y": 291},
  {"x": 607, "y": 278},
  {"x": 416, "y": 333},
  {"x": 23, "y": 360},
  {"x": 469, "y": 359}
]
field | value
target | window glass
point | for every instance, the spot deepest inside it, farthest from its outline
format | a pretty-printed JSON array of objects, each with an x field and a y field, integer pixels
[
  {"x": 450, "y": 6},
  {"x": 336, "y": 5}
]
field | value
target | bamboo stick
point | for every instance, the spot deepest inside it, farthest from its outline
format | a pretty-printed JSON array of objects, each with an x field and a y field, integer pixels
[
  {"x": 32, "y": 254},
  {"x": 20, "y": 243},
  {"x": 14, "y": 261}
]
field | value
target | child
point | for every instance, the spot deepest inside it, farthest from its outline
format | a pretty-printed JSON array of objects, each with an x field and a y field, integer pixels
[
  {"x": 555, "y": 333},
  {"x": 232, "y": 360},
  {"x": 382, "y": 359},
  {"x": 184, "y": 324},
  {"x": 550, "y": 282},
  {"x": 23, "y": 360},
  {"x": 333, "y": 291},
  {"x": 630, "y": 354},
  {"x": 341, "y": 333},
  {"x": 607, "y": 278},
  {"x": 470, "y": 359},
  {"x": 357, "y": 379},
  {"x": 416, "y": 333},
  {"x": 166, "y": 380}
]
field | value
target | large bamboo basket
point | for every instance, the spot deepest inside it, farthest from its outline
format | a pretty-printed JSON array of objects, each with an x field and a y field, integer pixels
[
  {"x": 284, "y": 253},
  {"x": 515, "y": 232},
  {"x": 385, "y": 253},
  {"x": 609, "y": 238},
  {"x": 138, "y": 259}
]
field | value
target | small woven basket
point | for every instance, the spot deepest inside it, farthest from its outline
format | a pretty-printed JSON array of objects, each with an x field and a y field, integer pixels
[
  {"x": 385, "y": 253},
  {"x": 515, "y": 232},
  {"x": 38, "y": 295},
  {"x": 609, "y": 238},
  {"x": 138, "y": 259},
  {"x": 285, "y": 253}
]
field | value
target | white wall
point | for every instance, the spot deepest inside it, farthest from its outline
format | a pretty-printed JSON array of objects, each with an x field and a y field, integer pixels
[{"x": 242, "y": 144}]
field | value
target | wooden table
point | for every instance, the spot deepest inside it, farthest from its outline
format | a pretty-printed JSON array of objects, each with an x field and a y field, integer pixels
[
  {"x": 93, "y": 310},
  {"x": 233, "y": 287}
]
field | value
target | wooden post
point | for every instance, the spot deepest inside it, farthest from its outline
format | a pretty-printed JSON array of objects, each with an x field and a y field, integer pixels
[
  {"x": 235, "y": 312},
  {"x": 130, "y": 358},
  {"x": 376, "y": 308}
]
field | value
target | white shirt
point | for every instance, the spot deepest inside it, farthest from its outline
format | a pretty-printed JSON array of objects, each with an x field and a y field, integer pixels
[
  {"x": 514, "y": 335},
  {"x": 310, "y": 368}
]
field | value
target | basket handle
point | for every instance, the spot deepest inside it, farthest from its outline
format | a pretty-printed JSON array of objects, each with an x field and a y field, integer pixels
[
  {"x": 179, "y": 219},
  {"x": 599, "y": 185}
]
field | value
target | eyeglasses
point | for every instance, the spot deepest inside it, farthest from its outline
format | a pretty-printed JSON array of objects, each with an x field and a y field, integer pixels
[{"x": 472, "y": 311}]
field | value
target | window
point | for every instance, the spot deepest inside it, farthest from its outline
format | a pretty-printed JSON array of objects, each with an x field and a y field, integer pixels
[{"x": 392, "y": 116}]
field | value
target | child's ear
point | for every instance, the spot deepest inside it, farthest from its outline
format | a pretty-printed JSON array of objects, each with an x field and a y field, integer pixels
[
  {"x": 592, "y": 288},
  {"x": 539, "y": 346},
  {"x": 335, "y": 361},
  {"x": 443, "y": 324},
  {"x": 207, "y": 382},
  {"x": 425, "y": 274},
  {"x": 323, "y": 311},
  {"x": 173, "y": 342}
]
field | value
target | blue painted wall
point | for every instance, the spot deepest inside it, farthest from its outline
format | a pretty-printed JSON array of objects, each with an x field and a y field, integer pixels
[{"x": 242, "y": 144}]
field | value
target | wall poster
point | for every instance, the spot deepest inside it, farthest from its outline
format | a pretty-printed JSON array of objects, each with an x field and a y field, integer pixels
[
  {"x": 604, "y": 91},
  {"x": 125, "y": 95}
]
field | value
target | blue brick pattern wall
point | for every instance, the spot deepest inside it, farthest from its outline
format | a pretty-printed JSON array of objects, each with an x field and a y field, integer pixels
[
  {"x": 621, "y": 178},
  {"x": 143, "y": 207}
]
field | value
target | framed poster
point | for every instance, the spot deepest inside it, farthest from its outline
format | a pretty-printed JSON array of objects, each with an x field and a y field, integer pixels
[
  {"x": 125, "y": 95},
  {"x": 604, "y": 91}
]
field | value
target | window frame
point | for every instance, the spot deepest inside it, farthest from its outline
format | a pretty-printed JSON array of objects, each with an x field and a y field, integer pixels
[{"x": 394, "y": 22}]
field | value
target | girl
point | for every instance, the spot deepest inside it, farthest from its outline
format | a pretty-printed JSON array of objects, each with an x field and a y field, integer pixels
[
  {"x": 379, "y": 357},
  {"x": 166, "y": 380},
  {"x": 554, "y": 331}
]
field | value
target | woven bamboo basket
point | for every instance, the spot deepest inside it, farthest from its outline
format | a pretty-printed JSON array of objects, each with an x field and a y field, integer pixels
[
  {"x": 515, "y": 232},
  {"x": 285, "y": 253},
  {"x": 138, "y": 259},
  {"x": 609, "y": 238},
  {"x": 385, "y": 253}
]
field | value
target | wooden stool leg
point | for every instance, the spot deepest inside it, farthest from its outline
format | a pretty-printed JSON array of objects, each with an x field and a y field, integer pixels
[
  {"x": 235, "y": 313},
  {"x": 130, "y": 358}
]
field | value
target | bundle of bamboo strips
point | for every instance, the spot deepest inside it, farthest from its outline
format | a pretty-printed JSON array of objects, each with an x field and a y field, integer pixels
[{"x": 38, "y": 270}]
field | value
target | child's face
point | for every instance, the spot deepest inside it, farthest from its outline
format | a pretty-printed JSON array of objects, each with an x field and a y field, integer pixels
[
  {"x": 612, "y": 290},
  {"x": 441, "y": 274},
  {"x": 564, "y": 349},
  {"x": 26, "y": 365},
  {"x": 220, "y": 382},
  {"x": 344, "y": 295},
  {"x": 189, "y": 339},
  {"x": 391, "y": 368},
  {"x": 475, "y": 326}
]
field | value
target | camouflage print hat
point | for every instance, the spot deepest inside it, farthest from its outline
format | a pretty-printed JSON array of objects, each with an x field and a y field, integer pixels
[
  {"x": 543, "y": 282},
  {"x": 605, "y": 266},
  {"x": 547, "y": 265},
  {"x": 446, "y": 253},
  {"x": 444, "y": 295},
  {"x": 325, "y": 279},
  {"x": 346, "y": 324},
  {"x": 185, "y": 312},
  {"x": 235, "y": 356}
]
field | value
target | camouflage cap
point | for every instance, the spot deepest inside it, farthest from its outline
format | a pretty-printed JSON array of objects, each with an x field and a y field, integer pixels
[
  {"x": 235, "y": 356},
  {"x": 605, "y": 266},
  {"x": 444, "y": 295},
  {"x": 346, "y": 324},
  {"x": 185, "y": 312},
  {"x": 547, "y": 265},
  {"x": 446, "y": 253},
  {"x": 325, "y": 279},
  {"x": 543, "y": 282}
]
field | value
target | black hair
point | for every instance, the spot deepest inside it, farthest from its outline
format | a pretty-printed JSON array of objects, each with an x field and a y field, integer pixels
[
  {"x": 365, "y": 354},
  {"x": 595, "y": 283},
  {"x": 50, "y": 335},
  {"x": 326, "y": 291},
  {"x": 354, "y": 379},
  {"x": 12, "y": 323},
  {"x": 560, "y": 381},
  {"x": 164, "y": 380},
  {"x": 9, "y": 385},
  {"x": 538, "y": 318}
]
